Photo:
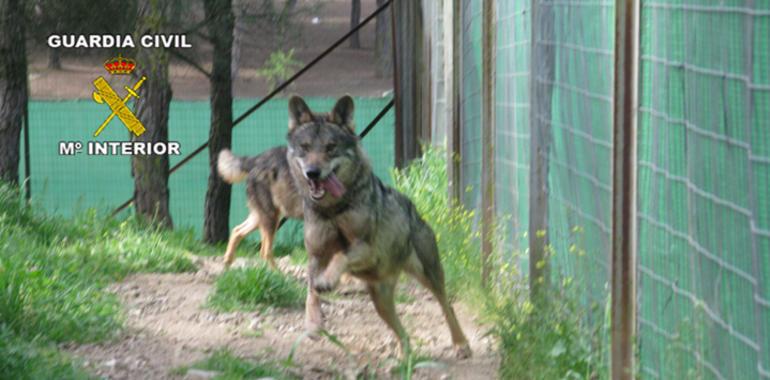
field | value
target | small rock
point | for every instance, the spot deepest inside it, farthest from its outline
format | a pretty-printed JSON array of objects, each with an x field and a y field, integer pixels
[
  {"x": 254, "y": 324},
  {"x": 199, "y": 374}
]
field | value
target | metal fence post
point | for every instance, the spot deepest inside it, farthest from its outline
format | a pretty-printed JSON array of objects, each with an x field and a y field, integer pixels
[
  {"x": 27, "y": 165},
  {"x": 487, "y": 139},
  {"x": 411, "y": 80},
  {"x": 541, "y": 65},
  {"x": 623, "y": 277},
  {"x": 453, "y": 137}
]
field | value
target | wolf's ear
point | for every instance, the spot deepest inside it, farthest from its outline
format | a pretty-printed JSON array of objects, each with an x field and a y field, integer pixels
[
  {"x": 299, "y": 112},
  {"x": 342, "y": 114}
]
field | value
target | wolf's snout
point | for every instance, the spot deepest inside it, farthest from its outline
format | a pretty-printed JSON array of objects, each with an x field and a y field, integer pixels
[{"x": 313, "y": 172}]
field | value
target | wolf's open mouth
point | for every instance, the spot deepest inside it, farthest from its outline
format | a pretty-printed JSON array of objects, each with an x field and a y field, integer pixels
[{"x": 331, "y": 183}]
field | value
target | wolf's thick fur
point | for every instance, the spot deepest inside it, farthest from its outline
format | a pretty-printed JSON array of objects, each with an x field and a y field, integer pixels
[
  {"x": 354, "y": 223},
  {"x": 271, "y": 195}
]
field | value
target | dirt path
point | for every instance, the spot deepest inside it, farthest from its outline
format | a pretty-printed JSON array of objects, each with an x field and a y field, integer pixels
[{"x": 168, "y": 327}]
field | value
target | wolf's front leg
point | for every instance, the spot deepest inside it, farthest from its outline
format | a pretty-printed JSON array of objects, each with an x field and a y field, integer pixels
[
  {"x": 357, "y": 257},
  {"x": 314, "y": 318}
]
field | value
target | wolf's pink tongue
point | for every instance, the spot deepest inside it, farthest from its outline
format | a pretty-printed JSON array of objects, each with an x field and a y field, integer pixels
[{"x": 333, "y": 186}]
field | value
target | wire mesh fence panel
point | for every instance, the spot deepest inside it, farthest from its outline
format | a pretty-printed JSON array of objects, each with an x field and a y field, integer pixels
[
  {"x": 66, "y": 184},
  {"x": 704, "y": 189},
  {"x": 703, "y": 166},
  {"x": 433, "y": 11},
  {"x": 511, "y": 108},
  {"x": 580, "y": 171},
  {"x": 470, "y": 103}
]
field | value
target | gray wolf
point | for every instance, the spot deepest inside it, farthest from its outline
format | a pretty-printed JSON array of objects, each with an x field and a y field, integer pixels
[
  {"x": 356, "y": 224},
  {"x": 270, "y": 192}
]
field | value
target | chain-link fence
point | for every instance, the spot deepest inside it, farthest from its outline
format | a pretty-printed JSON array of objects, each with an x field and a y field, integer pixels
[{"x": 703, "y": 194}]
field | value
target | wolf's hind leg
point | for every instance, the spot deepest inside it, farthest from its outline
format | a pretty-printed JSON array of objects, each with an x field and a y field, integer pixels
[
  {"x": 383, "y": 297},
  {"x": 239, "y": 232},
  {"x": 431, "y": 275},
  {"x": 267, "y": 230}
]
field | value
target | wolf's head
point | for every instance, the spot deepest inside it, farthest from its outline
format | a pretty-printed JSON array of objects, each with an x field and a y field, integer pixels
[{"x": 323, "y": 153}]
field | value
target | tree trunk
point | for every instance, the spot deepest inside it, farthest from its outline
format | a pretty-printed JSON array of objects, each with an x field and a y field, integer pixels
[
  {"x": 355, "y": 18},
  {"x": 54, "y": 59},
  {"x": 383, "y": 55},
  {"x": 217, "y": 207},
  {"x": 13, "y": 86},
  {"x": 150, "y": 172},
  {"x": 238, "y": 26}
]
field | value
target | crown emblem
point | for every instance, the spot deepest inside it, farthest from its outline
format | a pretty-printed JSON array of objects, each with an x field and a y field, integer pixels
[{"x": 120, "y": 65}]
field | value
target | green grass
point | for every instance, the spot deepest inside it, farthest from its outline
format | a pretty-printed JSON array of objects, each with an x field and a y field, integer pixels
[
  {"x": 22, "y": 359},
  {"x": 255, "y": 287},
  {"x": 232, "y": 367},
  {"x": 53, "y": 273}
]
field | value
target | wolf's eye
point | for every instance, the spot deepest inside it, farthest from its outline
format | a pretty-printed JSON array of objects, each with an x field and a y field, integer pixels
[
  {"x": 331, "y": 147},
  {"x": 304, "y": 147}
]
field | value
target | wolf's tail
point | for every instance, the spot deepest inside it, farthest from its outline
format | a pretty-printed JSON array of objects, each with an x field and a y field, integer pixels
[{"x": 232, "y": 168}]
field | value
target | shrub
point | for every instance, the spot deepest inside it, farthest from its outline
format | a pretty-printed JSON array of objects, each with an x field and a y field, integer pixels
[{"x": 279, "y": 67}]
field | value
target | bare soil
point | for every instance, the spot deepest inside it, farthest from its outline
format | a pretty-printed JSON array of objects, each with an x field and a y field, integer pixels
[
  {"x": 346, "y": 70},
  {"x": 168, "y": 326}
]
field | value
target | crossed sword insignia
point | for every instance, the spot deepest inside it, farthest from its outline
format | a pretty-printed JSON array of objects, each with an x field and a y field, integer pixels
[{"x": 105, "y": 94}]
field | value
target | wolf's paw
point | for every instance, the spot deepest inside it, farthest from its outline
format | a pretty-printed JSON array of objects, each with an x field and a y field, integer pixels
[
  {"x": 228, "y": 262},
  {"x": 462, "y": 351},
  {"x": 313, "y": 330},
  {"x": 324, "y": 285}
]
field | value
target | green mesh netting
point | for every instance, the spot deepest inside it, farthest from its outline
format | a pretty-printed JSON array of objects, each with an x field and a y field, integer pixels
[
  {"x": 703, "y": 163},
  {"x": 470, "y": 103},
  {"x": 704, "y": 189},
  {"x": 580, "y": 169},
  {"x": 512, "y": 122},
  {"x": 67, "y": 183}
]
